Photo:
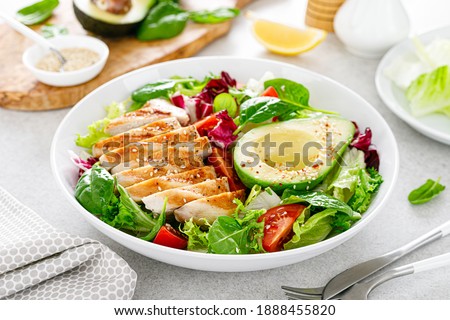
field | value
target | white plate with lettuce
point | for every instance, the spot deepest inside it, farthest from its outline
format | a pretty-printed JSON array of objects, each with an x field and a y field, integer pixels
[
  {"x": 222, "y": 254},
  {"x": 413, "y": 80}
]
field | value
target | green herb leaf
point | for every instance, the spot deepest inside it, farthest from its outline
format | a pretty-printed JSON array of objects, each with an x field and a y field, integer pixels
[
  {"x": 166, "y": 20},
  {"x": 225, "y": 101},
  {"x": 37, "y": 12},
  {"x": 215, "y": 16},
  {"x": 53, "y": 30},
  {"x": 426, "y": 192}
]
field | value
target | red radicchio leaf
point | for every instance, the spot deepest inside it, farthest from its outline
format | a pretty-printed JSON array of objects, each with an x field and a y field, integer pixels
[
  {"x": 178, "y": 101},
  {"x": 84, "y": 164},
  {"x": 213, "y": 88},
  {"x": 222, "y": 134},
  {"x": 363, "y": 142}
]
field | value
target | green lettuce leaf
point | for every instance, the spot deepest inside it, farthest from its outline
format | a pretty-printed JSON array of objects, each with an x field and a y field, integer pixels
[
  {"x": 430, "y": 92},
  {"x": 96, "y": 130},
  {"x": 314, "y": 230},
  {"x": 197, "y": 238},
  {"x": 369, "y": 183}
]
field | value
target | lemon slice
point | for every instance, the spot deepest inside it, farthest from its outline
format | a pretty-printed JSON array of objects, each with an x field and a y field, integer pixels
[{"x": 286, "y": 40}]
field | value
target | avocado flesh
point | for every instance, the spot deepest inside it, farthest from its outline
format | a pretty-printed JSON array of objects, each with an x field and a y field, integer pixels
[
  {"x": 300, "y": 156},
  {"x": 108, "y": 24}
]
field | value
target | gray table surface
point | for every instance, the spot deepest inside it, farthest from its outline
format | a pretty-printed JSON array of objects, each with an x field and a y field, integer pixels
[{"x": 25, "y": 172}]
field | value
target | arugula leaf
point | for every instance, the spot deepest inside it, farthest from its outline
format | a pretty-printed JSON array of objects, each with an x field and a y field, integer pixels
[
  {"x": 316, "y": 199},
  {"x": 426, "y": 192},
  {"x": 369, "y": 183},
  {"x": 214, "y": 16},
  {"x": 37, "y": 12},
  {"x": 95, "y": 192},
  {"x": 314, "y": 230},
  {"x": 166, "y": 20},
  {"x": 53, "y": 30},
  {"x": 197, "y": 238}
]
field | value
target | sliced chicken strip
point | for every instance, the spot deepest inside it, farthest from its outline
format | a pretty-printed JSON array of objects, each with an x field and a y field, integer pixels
[
  {"x": 153, "y": 110},
  {"x": 143, "y": 148},
  {"x": 155, "y": 185},
  {"x": 134, "y": 135},
  {"x": 178, "y": 197},
  {"x": 208, "y": 209},
  {"x": 130, "y": 177},
  {"x": 184, "y": 154}
]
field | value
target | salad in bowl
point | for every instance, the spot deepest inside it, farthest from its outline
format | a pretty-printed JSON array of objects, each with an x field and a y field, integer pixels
[{"x": 218, "y": 166}]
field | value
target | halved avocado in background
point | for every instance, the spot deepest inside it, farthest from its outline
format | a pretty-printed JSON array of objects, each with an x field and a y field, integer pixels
[{"x": 98, "y": 16}]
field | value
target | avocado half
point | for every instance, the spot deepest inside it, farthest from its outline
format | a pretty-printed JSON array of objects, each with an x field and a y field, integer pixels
[
  {"x": 295, "y": 154},
  {"x": 107, "y": 24}
]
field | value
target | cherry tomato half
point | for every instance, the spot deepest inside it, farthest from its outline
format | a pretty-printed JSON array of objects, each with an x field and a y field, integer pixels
[
  {"x": 170, "y": 237},
  {"x": 278, "y": 223}
]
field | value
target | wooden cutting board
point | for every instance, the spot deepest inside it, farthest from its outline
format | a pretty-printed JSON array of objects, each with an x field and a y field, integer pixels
[{"x": 20, "y": 90}]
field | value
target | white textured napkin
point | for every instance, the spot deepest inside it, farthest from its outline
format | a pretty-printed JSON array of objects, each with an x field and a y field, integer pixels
[{"x": 39, "y": 262}]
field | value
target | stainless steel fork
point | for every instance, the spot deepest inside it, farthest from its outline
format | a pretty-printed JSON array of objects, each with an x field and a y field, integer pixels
[
  {"x": 361, "y": 290},
  {"x": 361, "y": 271}
]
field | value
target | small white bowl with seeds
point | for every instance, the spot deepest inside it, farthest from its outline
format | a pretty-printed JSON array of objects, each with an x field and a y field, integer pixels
[{"x": 86, "y": 56}]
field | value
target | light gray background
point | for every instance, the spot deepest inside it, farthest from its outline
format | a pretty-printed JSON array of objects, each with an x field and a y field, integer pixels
[{"x": 25, "y": 172}]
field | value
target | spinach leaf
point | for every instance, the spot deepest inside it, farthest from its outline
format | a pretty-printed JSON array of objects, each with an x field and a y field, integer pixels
[
  {"x": 153, "y": 90},
  {"x": 225, "y": 101},
  {"x": 214, "y": 16},
  {"x": 426, "y": 192},
  {"x": 166, "y": 20},
  {"x": 227, "y": 236},
  {"x": 314, "y": 230},
  {"x": 53, "y": 30},
  {"x": 95, "y": 192},
  {"x": 289, "y": 91},
  {"x": 37, "y": 12},
  {"x": 257, "y": 110},
  {"x": 316, "y": 199}
]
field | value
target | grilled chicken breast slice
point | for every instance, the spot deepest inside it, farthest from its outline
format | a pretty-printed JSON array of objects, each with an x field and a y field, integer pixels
[
  {"x": 144, "y": 148},
  {"x": 154, "y": 185},
  {"x": 184, "y": 154},
  {"x": 153, "y": 110},
  {"x": 206, "y": 210},
  {"x": 130, "y": 177},
  {"x": 178, "y": 197},
  {"x": 134, "y": 135}
]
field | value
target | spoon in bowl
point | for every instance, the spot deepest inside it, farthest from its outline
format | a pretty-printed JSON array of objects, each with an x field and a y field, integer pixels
[{"x": 32, "y": 35}]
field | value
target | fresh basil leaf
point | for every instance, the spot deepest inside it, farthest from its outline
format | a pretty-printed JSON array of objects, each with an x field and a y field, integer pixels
[
  {"x": 166, "y": 20},
  {"x": 37, "y": 12},
  {"x": 314, "y": 230},
  {"x": 426, "y": 192},
  {"x": 215, "y": 16},
  {"x": 153, "y": 90},
  {"x": 289, "y": 91},
  {"x": 53, "y": 30},
  {"x": 225, "y": 101},
  {"x": 316, "y": 199},
  {"x": 95, "y": 192}
]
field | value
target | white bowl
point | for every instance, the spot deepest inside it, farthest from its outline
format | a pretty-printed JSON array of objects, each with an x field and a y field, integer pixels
[
  {"x": 34, "y": 54},
  {"x": 325, "y": 93}
]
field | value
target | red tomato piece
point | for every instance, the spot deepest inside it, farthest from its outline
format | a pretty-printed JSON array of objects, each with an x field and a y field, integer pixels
[
  {"x": 170, "y": 237},
  {"x": 206, "y": 124},
  {"x": 223, "y": 165},
  {"x": 278, "y": 222},
  {"x": 270, "y": 92}
]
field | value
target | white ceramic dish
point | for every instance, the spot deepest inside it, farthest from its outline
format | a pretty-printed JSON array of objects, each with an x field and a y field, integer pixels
[
  {"x": 34, "y": 54},
  {"x": 434, "y": 126},
  {"x": 325, "y": 93}
]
